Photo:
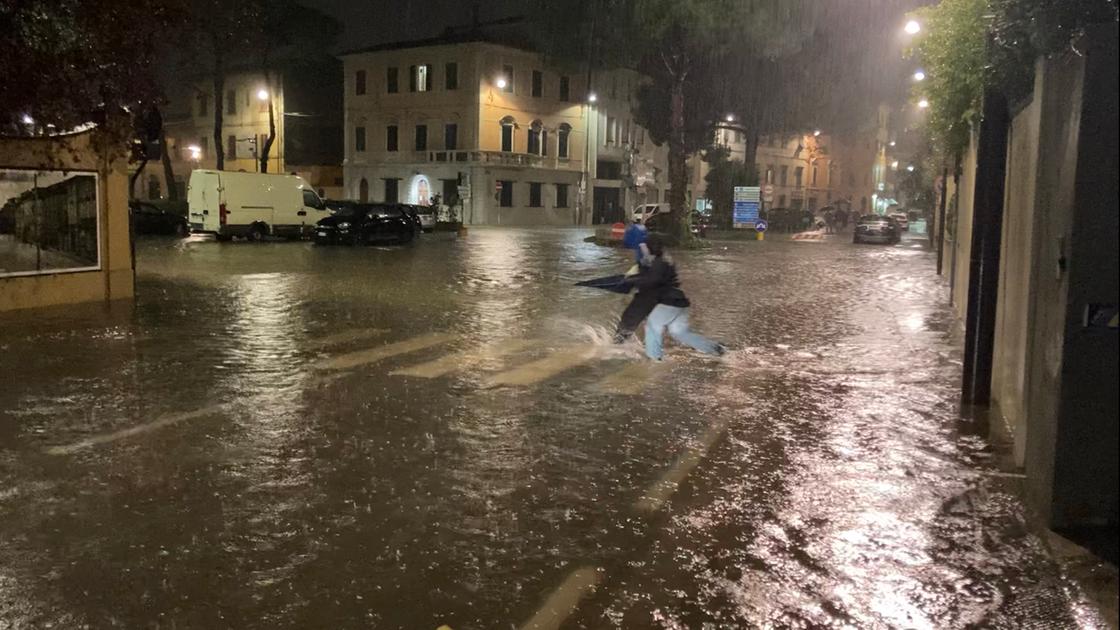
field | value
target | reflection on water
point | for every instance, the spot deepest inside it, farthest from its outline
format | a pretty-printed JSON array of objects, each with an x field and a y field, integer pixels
[{"x": 834, "y": 489}]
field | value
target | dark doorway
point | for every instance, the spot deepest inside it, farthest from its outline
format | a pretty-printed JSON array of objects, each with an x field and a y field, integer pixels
[{"x": 607, "y": 206}]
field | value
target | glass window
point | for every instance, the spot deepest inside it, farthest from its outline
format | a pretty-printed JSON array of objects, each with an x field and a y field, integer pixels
[
  {"x": 391, "y": 77},
  {"x": 561, "y": 195},
  {"x": 231, "y": 102},
  {"x": 783, "y": 177},
  {"x": 538, "y": 84},
  {"x": 814, "y": 175},
  {"x": 562, "y": 144},
  {"x": 507, "y": 72},
  {"x": 534, "y": 194},
  {"x": 421, "y": 137},
  {"x": 419, "y": 79},
  {"x": 451, "y": 76},
  {"x": 203, "y": 105},
  {"x": 48, "y": 221},
  {"x": 359, "y": 139},
  {"x": 533, "y": 139},
  {"x": 451, "y": 136},
  {"x": 612, "y": 124},
  {"x": 360, "y": 82},
  {"x": 798, "y": 174},
  {"x": 392, "y": 187},
  {"x": 565, "y": 89},
  {"x": 311, "y": 200},
  {"x": 505, "y": 194},
  {"x": 231, "y": 147},
  {"x": 507, "y": 134},
  {"x": 392, "y": 138}
]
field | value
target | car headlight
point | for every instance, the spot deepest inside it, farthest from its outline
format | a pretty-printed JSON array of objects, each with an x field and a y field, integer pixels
[{"x": 345, "y": 225}]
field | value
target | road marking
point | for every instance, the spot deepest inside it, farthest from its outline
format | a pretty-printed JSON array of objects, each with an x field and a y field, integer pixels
[
  {"x": 158, "y": 423},
  {"x": 373, "y": 355},
  {"x": 457, "y": 360},
  {"x": 631, "y": 379},
  {"x": 562, "y": 602},
  {"x": 539, "y": 370},
  {"x": 350, "y": 335},
  {"x": 662, "y": 490}
]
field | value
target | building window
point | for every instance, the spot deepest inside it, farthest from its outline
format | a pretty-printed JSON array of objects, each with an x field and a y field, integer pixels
[
  {"x": 505, "y": 193},
  {"x": 203, "y": 105},
  {"x": 360, "y": 82},
  {"x": 798, "y": 174},
  {"x": 153, "y": 187},
  {"x": 359, "y": 139},
  {"x": 391, "y": 77},
  {"x": 781, "y": 201},
  {"x": 363, "y": 191},
  {"x": 770, "y": 174},
  {"x": 451, "y": 136},
  {"x": 231, "y": 102},
  {"x": 605, "y": 169},
  {"x": 534, "y": 194},
  {"x": 562, "y": 145},
  {"x": 507, "y": 72},
  {"x": 204, "y": 145},
  {"x": 231, "y": 147},
  {"x": 814, "y": 175},
  {"x": 561, "y": 195},
  {"x": 783, "y": 177},
  {"x": 419, "y": 78},
  {"x": 451, "y": 76},
  {"x": 565, "y": 89},
  {"x": 392, "y": 138},
  {"x": 533, "y": 139},
  {"x": 421, "y": 137},
  {"x": 538, "y": 84},
  {"x": 508, "y": 125},
  {"x": 392, "y": 187}
]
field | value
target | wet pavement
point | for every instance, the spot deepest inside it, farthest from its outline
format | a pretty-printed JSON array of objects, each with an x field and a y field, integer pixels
[{"x": 285, "y": 436}]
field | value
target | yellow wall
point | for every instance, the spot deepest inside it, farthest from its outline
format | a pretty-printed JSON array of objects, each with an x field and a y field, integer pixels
[{"x": 115, "y": 278}]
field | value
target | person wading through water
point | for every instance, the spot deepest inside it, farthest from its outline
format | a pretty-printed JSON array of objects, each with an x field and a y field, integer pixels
[{"x": 661, "y": 299}]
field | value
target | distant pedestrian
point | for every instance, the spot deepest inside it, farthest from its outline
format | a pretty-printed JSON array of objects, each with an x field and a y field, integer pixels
[{"x": 658, "y": 286}]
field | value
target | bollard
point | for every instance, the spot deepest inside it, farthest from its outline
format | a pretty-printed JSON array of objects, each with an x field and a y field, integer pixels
[{"x": 760, "y": 236}]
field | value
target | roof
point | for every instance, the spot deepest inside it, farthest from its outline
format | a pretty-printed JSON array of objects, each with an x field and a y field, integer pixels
[{"x": 452, "y": 36}]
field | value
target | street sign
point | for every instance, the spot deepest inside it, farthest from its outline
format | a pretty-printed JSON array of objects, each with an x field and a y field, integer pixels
[
  {"x": 464, "y": 192},
  {"x": 744, "y": 212},
  {"x": 760, "y": 225},
  {"x": 768, "y": 193}
]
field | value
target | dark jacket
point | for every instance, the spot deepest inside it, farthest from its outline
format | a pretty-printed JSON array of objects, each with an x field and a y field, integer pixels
[{"x": 656, "y": 284}]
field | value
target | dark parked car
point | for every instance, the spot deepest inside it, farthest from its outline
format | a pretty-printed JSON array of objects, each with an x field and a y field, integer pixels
[
  {"x": 363, "y": 223},
  {"x": 873, "y": 228},
  {"x": 150, "y": 219}
]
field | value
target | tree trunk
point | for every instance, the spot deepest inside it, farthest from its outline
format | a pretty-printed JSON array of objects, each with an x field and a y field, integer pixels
[
  {"x": 678, "y": 160},
  {"x": 219, "y": 104},
  {"x": 750, "y": 156},
  {"x": 271, "y": 123},
  {"x": 168, "y": 171},
  {"x": 136, "y": 176}
]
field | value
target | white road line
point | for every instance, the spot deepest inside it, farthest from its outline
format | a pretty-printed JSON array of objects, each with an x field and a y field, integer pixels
[
  {"x": 630, "y": 379},
  {"x": 158, "y": 423},
  {"x": 562, "y": 602},
  {"x": 662, "y": 490},
  {"x": 373, "y": 355},
  {"x": 539, "y": 370},
  {"x": 457, "y": 360},
  {"x": 350, "y": 335}
]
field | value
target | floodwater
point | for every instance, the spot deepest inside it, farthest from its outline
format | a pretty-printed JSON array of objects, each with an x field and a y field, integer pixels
[{"x": 286, "y": 436}]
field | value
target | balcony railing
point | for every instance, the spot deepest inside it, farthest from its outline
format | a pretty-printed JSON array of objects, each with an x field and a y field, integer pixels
[{"x": 491, "y": 158}]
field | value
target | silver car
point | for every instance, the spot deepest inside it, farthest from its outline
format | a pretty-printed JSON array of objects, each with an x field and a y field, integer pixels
[{"x": 874, "y": 228}]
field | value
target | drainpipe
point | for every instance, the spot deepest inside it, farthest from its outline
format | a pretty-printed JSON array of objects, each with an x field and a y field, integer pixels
[{"x": 987, "y": 229}]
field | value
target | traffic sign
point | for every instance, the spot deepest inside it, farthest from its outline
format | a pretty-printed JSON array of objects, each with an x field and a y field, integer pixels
[
  {"x": 768, "y": 193},
  {"x": 744, "y": 212},
  {"x": 760, "y": 225}
]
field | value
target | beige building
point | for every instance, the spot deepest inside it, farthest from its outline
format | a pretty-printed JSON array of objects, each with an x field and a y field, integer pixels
[{"x": 524, "y": 142}]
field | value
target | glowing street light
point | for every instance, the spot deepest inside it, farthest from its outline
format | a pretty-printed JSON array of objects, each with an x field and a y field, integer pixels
[
  {"x": 262, "y": 94},
  {"x": 501, "y": 83},
  {"x": 923, "y": 104},
  {"x": 730, "y": 118},
  {"x": 912, "y": 27},
  {"x": 592, "y": 97},
  {"x": 816, "y": 133},
  {"x": 27, "y": 119},
  {"x": 919, "y": 76},
  {"x": 892, "y": 143},
  {"x": 195, "y": 151},
  {"x": 894, "y": 165},
  {"x": 910, "y": 167}
]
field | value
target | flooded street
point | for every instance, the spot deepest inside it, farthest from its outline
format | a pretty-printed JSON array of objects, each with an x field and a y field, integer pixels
[{"x": 287, "y": 436}]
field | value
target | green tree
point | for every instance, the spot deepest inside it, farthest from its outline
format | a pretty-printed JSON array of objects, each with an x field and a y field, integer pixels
[{"x": 723, "y": 176}]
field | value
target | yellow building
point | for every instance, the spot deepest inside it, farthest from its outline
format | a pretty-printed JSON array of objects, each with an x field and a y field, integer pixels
[{"x": 494, "y": 131}]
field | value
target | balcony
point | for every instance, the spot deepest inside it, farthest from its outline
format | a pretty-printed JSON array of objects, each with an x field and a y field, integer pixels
[{"x": 488, "y": 158}]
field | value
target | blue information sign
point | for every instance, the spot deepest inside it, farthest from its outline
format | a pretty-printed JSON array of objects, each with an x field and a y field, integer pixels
[{"x": 744, "y": 212}]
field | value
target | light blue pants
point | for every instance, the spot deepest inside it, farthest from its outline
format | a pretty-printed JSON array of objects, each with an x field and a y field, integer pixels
[{"x": 676, "y": 320}]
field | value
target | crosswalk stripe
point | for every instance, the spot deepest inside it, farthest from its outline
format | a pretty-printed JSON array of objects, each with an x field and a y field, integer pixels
[
  {"x": 159, "y": 422},
  {"x": 350, "y": 335},
  {"x": 373, "y": 355},
  {"x": 663, "y": 489},
  {"x": 539, "y": 370},
  {"x": 563, "y": 601},
  {"x": 630, "y": 379},
  {"x": 457, "y": 360}
]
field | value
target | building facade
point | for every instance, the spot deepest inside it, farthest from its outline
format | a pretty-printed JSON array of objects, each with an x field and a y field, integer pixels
[{"x": 495, "y": 133}]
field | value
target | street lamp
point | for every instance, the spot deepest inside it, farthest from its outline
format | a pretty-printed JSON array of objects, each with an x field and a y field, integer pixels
[
  {"x": 816, "y": 133},
  {"x": 501, "y": 83},
  {"x": 195, "y": 151},
  {"x": 919, "y": 76},
  {"x": 894, "y": 165},
  {"x": 262, "y": 94},
  {"x": 923, "y": 104},
  {"x": 910, "y": 167},
  {"x": 892, "y": 143},
  {"x": 27, "y": 119},
  {"x": 912, "y": 27},
  {"x": 730, "y": 118},
  {"x": 591, "y": 98}
]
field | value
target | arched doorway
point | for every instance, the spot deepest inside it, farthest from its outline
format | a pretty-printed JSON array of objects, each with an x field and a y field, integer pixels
[{"x": 363, "y": 191}]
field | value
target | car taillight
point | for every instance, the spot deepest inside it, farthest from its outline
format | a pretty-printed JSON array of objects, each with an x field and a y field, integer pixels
[{"x": 222, "y": 213}]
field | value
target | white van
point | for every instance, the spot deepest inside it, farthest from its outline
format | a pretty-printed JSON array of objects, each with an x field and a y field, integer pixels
[
  {"x": 647, "y": 211},
  {"x": 253, "y": 205}
]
